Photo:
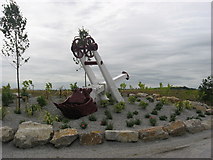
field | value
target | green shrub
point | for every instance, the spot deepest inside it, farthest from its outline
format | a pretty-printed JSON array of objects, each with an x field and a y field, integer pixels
[
  {"x": 109, "y": 126},
  {"x": 65, "y": 120},
  {"x": 119, "y": 107},
  {"x": 198, "y": 111},
  {"x": 111, "y": 99},
  {"x": 163, "y": 118},
  {"x": 64, "y": 126},
  {"x": 153, "y": 121},
  {"x": 129, "y": 115},
  {"x": 130, "y": 123},
  {"x": 135, "y": 112},
  {"x": 198, "y": 118},
  {"x": 7, "y": 96},
  {"x": 29, "y": 111},
  {"x": 3, "y": 112},
  {"x": 92, "y": 118},
  {"x": 172, "y": 117},
  {"x": 188, "y": 118},
  {"x": 159, "y": 106},
  {"x": 180, "y": 106},
  {"x": 177, "y": 112},
  {"x": 48, "y": 118},
  {"x": 24, "y": 94},
  {"x": 137, "y": 121},
  {"x": 36, "y": 107},
  {"x": 187, "y": 104},
  {"x": 104, "y": 122},
  {"x": 143, "y": 104},
  {"x": 138, "y": 100},
  {"x": 104, "y": 103},
  {"x": 17, "y": 111},
  {"x": 154, "y": 112},
  {"x": 201, "y": 114},
  {"x": 57, "y": 118},
  {"x": 83, "y": 125},
  {"x": 208, "y": 113},
  {"x": 41, "y": 101},
  {"x": 108, "y": 114},
  {"x": 147, "y": 115},
  {"x": 132, "y": 99},
  {"x": 164, "y": 100}
]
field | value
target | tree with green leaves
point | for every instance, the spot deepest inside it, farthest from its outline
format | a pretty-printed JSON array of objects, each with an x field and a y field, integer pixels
[
  {"x": 82, "y": 33},
  {"x": 123, "y": 85},
  {"x": 48, "y": 89},
  {"x": 141, "y": 85},
  {"x": 161, "y": 85},
  {"x": 16, "y": 40},
  {"x": 206, "y": 90}
]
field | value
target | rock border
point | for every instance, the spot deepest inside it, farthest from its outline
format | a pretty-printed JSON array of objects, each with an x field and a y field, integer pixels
[{"x": 177, "y": 128}]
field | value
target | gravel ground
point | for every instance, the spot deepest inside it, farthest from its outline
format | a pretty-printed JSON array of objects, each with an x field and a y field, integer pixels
[{"x": 119, "y": 119}]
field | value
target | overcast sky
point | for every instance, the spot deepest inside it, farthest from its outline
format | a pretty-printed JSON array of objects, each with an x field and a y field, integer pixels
[{"x": 154, "y": 42}]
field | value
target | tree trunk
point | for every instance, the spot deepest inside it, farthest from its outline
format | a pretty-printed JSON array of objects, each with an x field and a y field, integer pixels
[{"x": 17, "y": 75}]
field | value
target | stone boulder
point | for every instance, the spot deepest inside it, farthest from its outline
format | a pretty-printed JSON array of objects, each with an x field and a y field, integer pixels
[
  {"x": 142, "y": 94},
  {"x": 156, "y": 95},
  {"x": 176, "y": 128},
  {"x": 131, "y": 94},
  {"x": 92, "y": 138},
  {"x": 122, "y": 135},
  {"x": 207, "y": 124},
  {"x": 200, "y": 106},
  {"x": 6, "y": 134},
  {"x": 64, "y": 137},
  {"x": 194, "y": 125},
  {"x": 153, "y": 133},
  {"x": 31, "y": 134}
]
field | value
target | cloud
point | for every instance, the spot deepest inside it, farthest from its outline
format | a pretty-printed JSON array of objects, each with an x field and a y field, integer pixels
[{"x": 154, "y": 42}]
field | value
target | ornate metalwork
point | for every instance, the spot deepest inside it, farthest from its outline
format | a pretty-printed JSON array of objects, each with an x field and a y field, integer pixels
[{"x": 81, "y": 47}]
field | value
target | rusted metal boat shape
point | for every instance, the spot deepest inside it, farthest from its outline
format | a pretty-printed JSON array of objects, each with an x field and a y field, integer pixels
[{"x": 79, "y": 104}]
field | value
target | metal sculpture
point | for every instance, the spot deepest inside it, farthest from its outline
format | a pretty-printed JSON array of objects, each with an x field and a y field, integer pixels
[
  {"x": 78, "y": 105},
  {"x": 87, "y": 48},
  {"x": 83, "y": 101}
]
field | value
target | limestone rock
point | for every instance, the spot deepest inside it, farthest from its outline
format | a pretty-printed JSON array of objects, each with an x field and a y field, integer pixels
[
  {"x": 64, "y": 137},
  {"x": 6, "y": 134},
  {"x": 194, "y": 125},
  {"x": 122, "y": 135},
  {"x": 172, "y": 99},
  {"x": 31, "y": 134},
  {"x": 153, "y": 133},
  {"x": 131, "y": 94},
  {"x": 156, "y": 95},
  {"x": 92, "y": 138},
  {"x": 200, "y": 106},
  {"x": 207, "y": 124},
  {"x": 142, "y": 94},
  {"x": 176, "y": 128}
]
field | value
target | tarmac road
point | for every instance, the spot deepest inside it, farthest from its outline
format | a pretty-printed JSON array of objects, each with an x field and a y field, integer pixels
[{"x": 188, "y": 146}]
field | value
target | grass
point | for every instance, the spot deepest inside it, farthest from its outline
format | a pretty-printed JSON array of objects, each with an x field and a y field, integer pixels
[{"x": 182, "y": 94}]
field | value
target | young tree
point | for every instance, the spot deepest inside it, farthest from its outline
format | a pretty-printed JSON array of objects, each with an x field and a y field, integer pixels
[
  {"x": 82, "y": 33},
  {"x": 16, "y": 40},
  {"x": 123, "y": 85},
  {"x": 141, "y": 85},
  {"x": 161, "y": 85},
  {"x": 206, "y": 90},
  {"x": 48, "y": 88}
]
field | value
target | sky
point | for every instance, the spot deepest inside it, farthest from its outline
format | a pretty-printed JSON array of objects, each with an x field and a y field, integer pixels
[{"x": 157, "y": 41}]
